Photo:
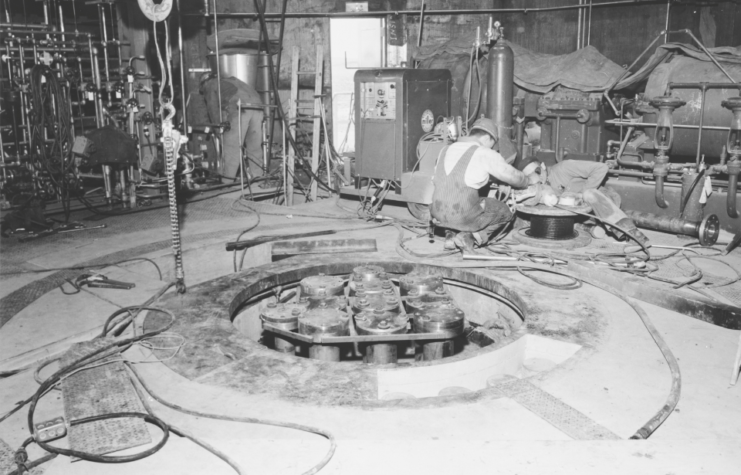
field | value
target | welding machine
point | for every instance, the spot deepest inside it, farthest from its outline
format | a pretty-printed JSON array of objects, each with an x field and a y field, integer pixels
[{"x": 394, "y": 108}]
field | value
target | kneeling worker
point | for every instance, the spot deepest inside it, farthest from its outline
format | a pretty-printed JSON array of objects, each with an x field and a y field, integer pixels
[{"x": 459, "y": 176}]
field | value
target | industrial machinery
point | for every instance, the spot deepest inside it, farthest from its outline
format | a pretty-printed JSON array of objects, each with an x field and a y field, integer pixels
[
  {"x": 59, "y": 86},
  {"x": 366, "y": 315},
  {"x": 394, "y": 109},
  {"x": 673, "y": 149}
]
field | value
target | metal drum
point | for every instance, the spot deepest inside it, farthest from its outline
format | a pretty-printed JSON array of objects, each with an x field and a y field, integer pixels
[
  {"x": 322, "y": 286},
  {"x": 327, "y": 322},
  {"x": 444, "y": 317},
  {"x": 380, "y": 322},
  {"x": 420, "y": 282},
  {"x": 284, "y": 316},
  {"x": 249, "y": 67}
]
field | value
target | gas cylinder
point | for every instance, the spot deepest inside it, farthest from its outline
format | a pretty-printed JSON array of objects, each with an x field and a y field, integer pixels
[{"x": 500, "y": 81}]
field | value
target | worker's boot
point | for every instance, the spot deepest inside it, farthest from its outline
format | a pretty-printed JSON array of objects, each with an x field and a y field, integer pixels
[
  {"x": 465, "y": 242},
  {"x": 632, "y": 230},
  {"x": 449, "y": 240}
]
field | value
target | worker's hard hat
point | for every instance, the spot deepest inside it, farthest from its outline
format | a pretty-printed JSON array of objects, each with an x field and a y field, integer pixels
[{"x": 487, "y": 125}]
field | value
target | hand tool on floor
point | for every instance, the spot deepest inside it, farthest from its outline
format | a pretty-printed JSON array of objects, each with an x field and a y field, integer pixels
[
  {"x": 64, "y": 228},
  {"x": 100, "y": 281},
  {"x": 732, "y": 245}
]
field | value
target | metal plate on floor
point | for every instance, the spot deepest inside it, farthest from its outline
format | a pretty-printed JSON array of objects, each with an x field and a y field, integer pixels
[
  {"x": 554, "y": 411},
  {"x": 102, "y": 389}
]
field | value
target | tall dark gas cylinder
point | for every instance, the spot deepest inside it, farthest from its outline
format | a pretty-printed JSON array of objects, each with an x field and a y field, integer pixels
[{"x": 500, "y": 81}]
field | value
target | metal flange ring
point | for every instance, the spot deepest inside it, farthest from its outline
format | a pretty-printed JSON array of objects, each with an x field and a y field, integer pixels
[{"x": 709, "y": 230}]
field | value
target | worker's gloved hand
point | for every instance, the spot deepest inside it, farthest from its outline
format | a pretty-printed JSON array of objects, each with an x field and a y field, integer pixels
[
  {"x": 549, "y": 198},
  {"x": 533, "y": 178},
  {"x": 522, "y": 195}
]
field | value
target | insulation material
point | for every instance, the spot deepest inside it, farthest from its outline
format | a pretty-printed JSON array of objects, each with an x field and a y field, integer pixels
[{"x": 584, "y": 70}]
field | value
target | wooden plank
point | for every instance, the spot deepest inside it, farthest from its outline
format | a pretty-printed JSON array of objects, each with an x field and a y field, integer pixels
[
  {"x": 316, "y": 135},
  {"x": 292, "y": 113},
  {"x": 284, "y": 249},
  {"x": 239, "y": 245}
]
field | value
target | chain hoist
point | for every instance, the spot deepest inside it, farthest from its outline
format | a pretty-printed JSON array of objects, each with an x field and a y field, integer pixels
[{"x": 172, "y": 139}]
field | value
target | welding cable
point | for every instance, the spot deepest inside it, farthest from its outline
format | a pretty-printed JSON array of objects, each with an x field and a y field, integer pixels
[
  {"x": 573, "y": 285},
  {"x": 247, "y": 420},
  {"x": 83, "y": 363},
  {"x": 672, "y": 399},
  {"x": 95, "y": 355},
  {"x": 619, "y": 228},
  {"x": 90, "y": 457},
  {"x": 90, "y": 266},
  {"x": 138, "y": 387},
  {"x": 234, "y": 255}
]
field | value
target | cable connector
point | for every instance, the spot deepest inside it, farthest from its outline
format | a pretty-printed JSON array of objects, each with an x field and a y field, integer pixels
[{"x": 50, "y": 430}]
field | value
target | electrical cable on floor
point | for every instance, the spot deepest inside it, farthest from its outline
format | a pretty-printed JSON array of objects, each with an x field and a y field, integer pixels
[
  {"x": 247, "y": 420},
  {"x": 93, "y": 266},
  {"x": 676, "y": 385}
]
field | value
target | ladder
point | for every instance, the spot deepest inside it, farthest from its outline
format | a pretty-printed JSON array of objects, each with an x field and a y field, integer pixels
[{"x": 293, "y": 118}]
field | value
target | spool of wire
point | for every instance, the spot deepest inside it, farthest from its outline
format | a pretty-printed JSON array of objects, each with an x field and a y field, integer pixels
[{"x": 555, "y": 228}]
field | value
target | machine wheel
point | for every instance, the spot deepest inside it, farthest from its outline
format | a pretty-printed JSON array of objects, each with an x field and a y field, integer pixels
[{"x": 419, "y": 211}]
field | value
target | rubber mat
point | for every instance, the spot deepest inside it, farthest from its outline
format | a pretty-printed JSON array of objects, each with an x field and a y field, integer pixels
[
  {"x": 102, "y": 389},
  {"x": 554, "y": 411}
]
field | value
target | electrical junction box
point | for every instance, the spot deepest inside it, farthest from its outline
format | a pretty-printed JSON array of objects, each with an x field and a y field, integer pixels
[{"x": 394, "y": 108}]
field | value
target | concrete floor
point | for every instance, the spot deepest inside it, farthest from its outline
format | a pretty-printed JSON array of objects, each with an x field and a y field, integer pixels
[{"x": 619, "y": 383}]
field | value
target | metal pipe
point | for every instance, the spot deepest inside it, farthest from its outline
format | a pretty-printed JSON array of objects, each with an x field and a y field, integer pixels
[
  {"x": 666, "y": 22},
  {"x": 710, "y": 55},
  {"x": 459, "y": 11},
  {"x": 181, "y": 56},
  {"x": 698, "y": 85},
  {"x": 703, "y": 93},
  {"x": 731, "y": 192},
  {"x": 706, "y": 231},
  {"x": 653, "y": 124},
  {"x": 220, "y": 159},
  {"x": 659, "y": 192}
]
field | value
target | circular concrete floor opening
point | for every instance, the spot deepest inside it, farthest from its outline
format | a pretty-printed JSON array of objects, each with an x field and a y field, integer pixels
[
  {"x": 505, "y": 334},
  {"x": 489, "y": 319}
]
